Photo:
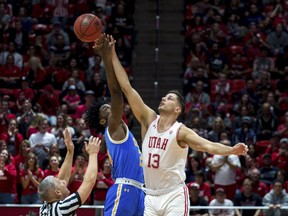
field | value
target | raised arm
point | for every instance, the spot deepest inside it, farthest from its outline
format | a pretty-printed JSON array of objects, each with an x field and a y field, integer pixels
[
  {"x": 142, "y": 112},
  {"x": 90, "y": 176},
  {"x": 65, "y": 170},
  {"x": 188, "y": 136},
  {"x": 104, "y": 47}
]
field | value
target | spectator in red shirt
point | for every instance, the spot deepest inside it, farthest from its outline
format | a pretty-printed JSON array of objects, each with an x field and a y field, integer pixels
[
  {"x": 280, "y": 158},
  {"x": 81, "y": 109},
  {"x": 42, "y": 12},
  {"x": 25, "y": 92},
  {"x": 72, "y": 99},
  {"x": 10, "y": 73},
  {"x": 259, "y": 187},
  {"x": 282, "y": 129},
  {"x": 204, "y": 188},
  {"x": 31, "y": 177},
  {"x": 77, "y": 176},
  {"x": 12, "y": 137},
  {"x": 35, "y": 72},
  {"x": 53, "y": 167},
  {"x": 103, "y": 183},
  {"x": 7, "y": 179}
]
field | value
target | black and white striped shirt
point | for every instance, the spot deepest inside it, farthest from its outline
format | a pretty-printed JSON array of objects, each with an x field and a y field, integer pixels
[{"x": 64, "y": 207}]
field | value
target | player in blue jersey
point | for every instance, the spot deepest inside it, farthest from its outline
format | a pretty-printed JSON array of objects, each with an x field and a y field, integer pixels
[{"x": 125, "y": 197}]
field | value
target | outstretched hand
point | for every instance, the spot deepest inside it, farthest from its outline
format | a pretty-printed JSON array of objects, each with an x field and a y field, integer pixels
[
  {"x": 104, "y": 45},
  {"x": 93, "y": 146},
  {"x": 240, "y": 149},
  {"x": 68, "y": 140}
]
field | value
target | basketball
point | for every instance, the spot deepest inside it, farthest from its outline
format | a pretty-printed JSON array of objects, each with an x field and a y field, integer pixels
[{"x": 87, "y": 27}]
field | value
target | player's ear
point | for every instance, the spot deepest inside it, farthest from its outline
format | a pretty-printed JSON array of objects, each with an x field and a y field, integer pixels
[
  {"x": 102, "y": 122},
  {"x": 178, "y": 110}
]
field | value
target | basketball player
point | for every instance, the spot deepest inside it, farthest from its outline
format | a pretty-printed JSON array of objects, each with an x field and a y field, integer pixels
[
  {"x": 165, "y": 147},
  {"x": 53, "y": 190},
  {"x": 125, "y": 197}
]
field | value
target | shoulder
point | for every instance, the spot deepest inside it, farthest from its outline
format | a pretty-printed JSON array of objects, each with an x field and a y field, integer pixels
[{"x": 70, "y": 203}]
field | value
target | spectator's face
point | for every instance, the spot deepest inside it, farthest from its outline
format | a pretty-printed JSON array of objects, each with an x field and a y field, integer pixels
[
  {"x": 43, "y": 126},
  {"x": 194, "y": 191},
  {"x": 12, "y": 125},
  {"x": 280, "y": 176},
  {"x": 199, "y": 86},
  {"x": 4, "y": 106},
  {"x": 54, "y": 162},
  {"x": 194, "y": 163},
  {"x": 244, "y": 111},
  {"x": 60, "y": 120},
  {"x": 255, "y": 175},
  {"x": 253, "y": 9},
  {"x": 73, "y": 62},
  {"x": 31, "y": 161},
  {"x": 70, "y": 120},
  {"x": 199, "y": 179},
  {"x": 247, "y": 186},
  {"x": 279, "y": 28},
  {"x": 250, "y": 84},
  {"x": 10, "y": 59},
  {"x": 80, "y": 160},
  {"x": 54, "y": 149},
  {"x": 3, "y": 155},
  {"x": 220, "y": 196},
  {"x": 277, "y": 188}
]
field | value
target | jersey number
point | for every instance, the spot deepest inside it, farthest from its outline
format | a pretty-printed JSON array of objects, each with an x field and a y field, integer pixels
[{"x": 153, "y": 160}]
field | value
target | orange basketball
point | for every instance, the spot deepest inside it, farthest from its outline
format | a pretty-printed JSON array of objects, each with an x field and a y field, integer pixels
[{"x": 87, "y": 27}]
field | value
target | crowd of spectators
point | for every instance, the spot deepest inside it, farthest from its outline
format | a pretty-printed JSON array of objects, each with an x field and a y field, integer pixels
[
  {"x": 48, "y": 77},
  {"x": 235, "y": 75}
]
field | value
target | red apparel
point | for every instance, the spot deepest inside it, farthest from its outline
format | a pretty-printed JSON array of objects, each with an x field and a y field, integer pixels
[
  {"x": 260, "y": 188},
  {"x": 18, "y": 139},
  {"x": 19, "y": 164},
  {"x": 30, "y": 189},
  {"x": 48, "y": 172},
  {"x": 279, "y": 161},
  {"x": 12, "y": 71},
  {"x": 8, "y": 179},
  {"x": 81, "y": 109},
  {"x": 77, "y": 181},
  {"x": 39, "y": 74},
  {"x": 27, "y": 93},
  {"x": 40, "y": 11},
  {"x": 31, "y": 130},
  {"x": 204, "y": 190},
  {"x": 280, "y": 128},
  {"x": 102, "y": 187}
]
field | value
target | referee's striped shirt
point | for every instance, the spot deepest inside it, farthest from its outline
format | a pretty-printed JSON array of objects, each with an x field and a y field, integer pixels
[{"x": 64, "y": 207}]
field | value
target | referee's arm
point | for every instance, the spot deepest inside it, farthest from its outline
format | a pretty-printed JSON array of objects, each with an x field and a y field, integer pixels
[{"x": 65, "y": 170}]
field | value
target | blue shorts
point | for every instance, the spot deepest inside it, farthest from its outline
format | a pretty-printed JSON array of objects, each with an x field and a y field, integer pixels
[{"x": 122, "y": 199}]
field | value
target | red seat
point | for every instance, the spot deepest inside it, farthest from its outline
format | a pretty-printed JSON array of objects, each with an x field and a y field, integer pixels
[
  {"x": 237, "y": 85},
  {"x": 262, "y": 145}
]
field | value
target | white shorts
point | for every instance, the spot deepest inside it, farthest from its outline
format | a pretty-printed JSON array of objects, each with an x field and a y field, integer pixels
[{"x": 174, "y": 203}]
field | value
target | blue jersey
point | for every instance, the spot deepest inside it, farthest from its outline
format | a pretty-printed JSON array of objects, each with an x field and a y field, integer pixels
[
  {"x": 126, "y": 160},
  {"x": 125, "y": 157}
]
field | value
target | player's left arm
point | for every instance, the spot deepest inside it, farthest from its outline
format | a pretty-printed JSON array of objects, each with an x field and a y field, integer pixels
[
  {"x": 188, "y": 136},
  {"x": 65, "y": 170}
]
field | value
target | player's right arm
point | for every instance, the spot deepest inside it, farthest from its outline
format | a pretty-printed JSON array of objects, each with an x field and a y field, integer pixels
[
  {"x": 90, "y": 176},
  {"x": 144, "y": 114}
]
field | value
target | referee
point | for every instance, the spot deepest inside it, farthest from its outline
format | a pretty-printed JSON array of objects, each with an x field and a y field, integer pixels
[{"x": 53, "y": 190}]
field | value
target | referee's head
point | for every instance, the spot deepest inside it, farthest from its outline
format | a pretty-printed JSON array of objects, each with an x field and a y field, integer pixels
[{"x": 52, "y": 189}]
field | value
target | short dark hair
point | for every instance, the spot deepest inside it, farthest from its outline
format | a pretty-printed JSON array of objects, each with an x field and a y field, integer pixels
[
  {"x": 91, "y": 116},
  {"x": 180, "y": 99}
]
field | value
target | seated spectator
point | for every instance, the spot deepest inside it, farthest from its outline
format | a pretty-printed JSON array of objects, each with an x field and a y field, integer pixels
[
  {"x": 204, "y": 188},
  {"x": 197, "y": 200},
  {"x": 14, "y": 55},
  {"x": 103, "y": 183},
  {"x": 282, "y": 129},
  {"x": 245, "y": 132},
  {"x": 98, "y": 86},
  {"x": 259, "y": 187},
  {"x": 58, "y": 133},
  {"x": 243, "y": 111},
  {"x": 264, "y": 86},
  {"x": 10, "y": 73},
  {"x": 74, "y": 65},
  {"x": 281, "y": 175},
  {"x": 95, "y": 66},
  {"x": 266, "y": 123},
  {"x": 245, "y": 101},
  {"x": 74, "y": 80},
  {"x": 267, "y": 172},
  {"x": 277, "y": 39},
  {"x": 262, "y": 63},
  {"x": 31, "y": 177},
  {"x": 77, "y": 175},
  {"x": 217, "y": 126},
  {"x": 53, "y": 36},
  {"x": 222, "y": 87},
  {"x": 239, "y": 67},
  {"x": 274, "y": 106},
  {"x": 193, "y": 166},
  {"x": 12, "y": 137},
  {"x": 7, "y": 179},
  {"x": 35, "y": 73},
  {"x": 25, "y": 92},
  {"x": 89, "y": 96},
  {"x": 220, "y": 200},
  {"x": 53, "y": 152},
  {"x": 217, "y": 63},
  {"x": 42, "y": 12},
  {"x": 41, "y": 141},
  {"x": 247, "y": 198},
  {"x": 198, "y": 126},
  {"x": 280, "y": 157},
  {"x": 80, "y": 135},
  {"x": 72, "y": 99},
  {"x": 225, "y": 172},
  {"x": 53, "y": 167},
  {"x": 276, "y": 198}
]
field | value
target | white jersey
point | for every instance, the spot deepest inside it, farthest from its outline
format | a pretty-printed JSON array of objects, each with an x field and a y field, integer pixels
[{"x": 163, "y": 159}]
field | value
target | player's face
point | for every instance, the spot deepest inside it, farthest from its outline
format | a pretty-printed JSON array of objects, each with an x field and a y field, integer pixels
[
  {"x": 104, "y": 111},
  {"x": 168, "y": 102}
]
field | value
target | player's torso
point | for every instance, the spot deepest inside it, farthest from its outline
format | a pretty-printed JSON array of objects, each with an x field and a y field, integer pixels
[
  {"x": 125, "y": 157},
  {"x": 163, "y": 159}
]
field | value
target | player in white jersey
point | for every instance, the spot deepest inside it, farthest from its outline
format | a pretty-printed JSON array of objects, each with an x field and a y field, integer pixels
[{"x": 165, "y": 146}]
